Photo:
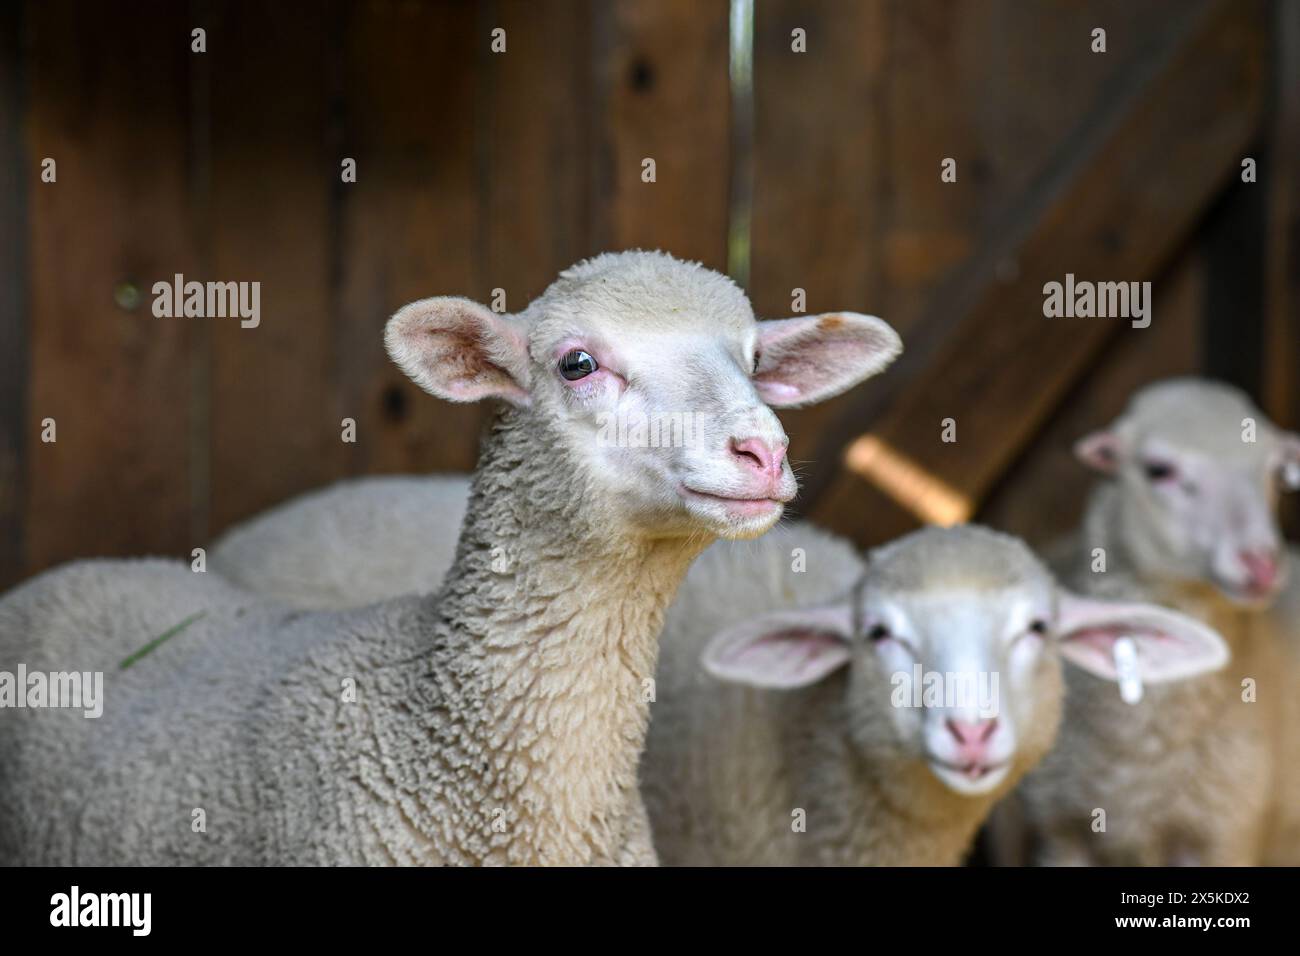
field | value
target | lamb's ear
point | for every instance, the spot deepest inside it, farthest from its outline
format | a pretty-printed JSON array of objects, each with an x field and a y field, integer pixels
[
  {"x": 782, "y": 649},
  {"x": 1099, "y": 451},
  {"x": 1170, "y": 646},
  {"x": 807, "y": 359},
  {"x": 459, "y": 350}
]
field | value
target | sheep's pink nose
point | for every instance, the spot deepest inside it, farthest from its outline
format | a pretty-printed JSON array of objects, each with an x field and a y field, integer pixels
[
  {"x": 972, "y": 737},
  {"x": 1262, "y": 569},
  {"x": 763, "y": 456}
]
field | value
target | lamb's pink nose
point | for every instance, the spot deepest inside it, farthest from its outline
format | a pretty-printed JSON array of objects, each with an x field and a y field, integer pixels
[
  {"x": 972, "y": 738},
  {"x": 1262, "y": 569},
  {"x": 762, "y": 456}
]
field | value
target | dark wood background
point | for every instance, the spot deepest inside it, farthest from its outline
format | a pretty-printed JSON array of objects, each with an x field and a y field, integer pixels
[{"x": 479, "y": 171}]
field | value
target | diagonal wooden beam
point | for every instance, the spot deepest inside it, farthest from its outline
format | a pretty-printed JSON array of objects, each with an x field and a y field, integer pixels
[{"x": 1114, "y": 206}]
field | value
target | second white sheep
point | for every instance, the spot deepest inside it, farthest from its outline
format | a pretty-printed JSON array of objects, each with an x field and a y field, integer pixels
[{"x": 832, "y": 716}]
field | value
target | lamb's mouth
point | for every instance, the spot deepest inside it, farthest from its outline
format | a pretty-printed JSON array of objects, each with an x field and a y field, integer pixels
[
  {"x": 1250, "y": 597},
  {"x": 737, "y": 505},
  {"x": 973, "y": 772}
]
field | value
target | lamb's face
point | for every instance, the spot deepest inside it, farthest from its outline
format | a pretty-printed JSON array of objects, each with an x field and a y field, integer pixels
[
  {"x": 662, "y": 414},
  {"x": 652, "y": 383},
  {"x": 963, "y": 679},
  {"x": 1198, "y": 470},
  {"x": 953, "y": 642},
  {"x": 1208, "y": 518}
]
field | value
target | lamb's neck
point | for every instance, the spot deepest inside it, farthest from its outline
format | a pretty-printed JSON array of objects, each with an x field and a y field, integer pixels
[
  {"x": 538, "y": 557},
  {"x": 868, "y": 807},
  {"x": 552, "y": 615}
]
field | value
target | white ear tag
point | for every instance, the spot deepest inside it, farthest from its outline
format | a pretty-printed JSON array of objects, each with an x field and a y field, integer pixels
[
  {"x": 1291, "y": 475},
  {"x": 1126, "y": 667}
]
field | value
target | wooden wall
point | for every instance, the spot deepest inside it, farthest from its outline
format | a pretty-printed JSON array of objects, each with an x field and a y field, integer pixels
[
  {"x": 475, "y": 172},
  {"x": 479, "y": 171}
]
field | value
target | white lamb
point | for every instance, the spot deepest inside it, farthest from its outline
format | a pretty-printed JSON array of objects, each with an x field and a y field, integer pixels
[
  {"x": 814, "y": 732},
  {"x": 1204, "y": 772},
  {"x": 496, "y": 721}
]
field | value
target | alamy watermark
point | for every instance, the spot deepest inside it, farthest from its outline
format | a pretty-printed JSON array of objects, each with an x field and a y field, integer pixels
[
  {"x": 1104, "y": 300},
  {"x": 657, "y": 430},
  {"x": 962, "y": 690},
  {"x": 130, "y": 910},
  {"x": 53, "y": 689},
  {"x": 209, "y": 300}
]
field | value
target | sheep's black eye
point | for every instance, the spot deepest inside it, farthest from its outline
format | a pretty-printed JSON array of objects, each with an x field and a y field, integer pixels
[
  {"x": 755, "y": 371},
  {"x": 577, "y": 364},
  {"x": 1038, "y": 626},
  {"x": 1159, "y": 470},
  {"x": 877, "y": 633}
]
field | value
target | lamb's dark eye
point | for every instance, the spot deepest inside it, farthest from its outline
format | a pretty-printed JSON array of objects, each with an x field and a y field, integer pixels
[
  {"x": 577, "y": 364},
  {"x": 877, "y": 633},
  {"x": 1038, "y": 626},
  {"x": 1158, "y": 470},
  {"x": 755, "y": 371}
]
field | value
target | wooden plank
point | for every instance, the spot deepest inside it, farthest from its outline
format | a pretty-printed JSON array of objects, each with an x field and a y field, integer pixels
[
  {"x": 995, "y": 85},
  {"x": 817, "y": 174},
  {"x": 16, "y": 176},
  {"x": 929, "y": 226},
  {"x": 662, "y": 93},
  {"x": 848, "y": 206},
  {"x": 274, "y": 420},
  {"x": 1281, "y": 370},
  {"x": 1042, "y": 496},
  {"x": 1114, "y": 206},
  {"x": 1233, "y": 236},
  {"x": 1281, "y": 373},
  {"x": 110, "y": 105},
  {"x": 535, "y": 161},
  {"x": 410, "y": 224},
  {"x": 1023, "y": 74},
  {"x": 816, "y": 171}
]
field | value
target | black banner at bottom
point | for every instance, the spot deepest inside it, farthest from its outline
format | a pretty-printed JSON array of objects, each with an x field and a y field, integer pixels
[{"x": 336, "y": 906}]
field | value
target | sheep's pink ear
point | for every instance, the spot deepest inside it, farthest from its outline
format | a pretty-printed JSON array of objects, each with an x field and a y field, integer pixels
[
  {"x": 459, "y": 350},
  {"x": 782, "y": 649},
  {"x": 1099, "y": 451},
  {"x": 1170, "y": 646},
  {"x": 807, "y": 359}
]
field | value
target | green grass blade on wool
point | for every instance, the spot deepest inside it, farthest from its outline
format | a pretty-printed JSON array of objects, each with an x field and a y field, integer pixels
[{"x": 157, "y": 641}]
